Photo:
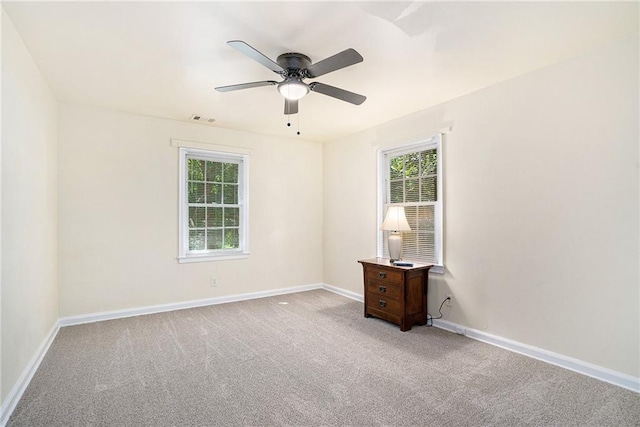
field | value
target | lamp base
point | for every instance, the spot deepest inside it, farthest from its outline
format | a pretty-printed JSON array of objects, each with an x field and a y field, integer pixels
[{"x": 395, "y": 245}]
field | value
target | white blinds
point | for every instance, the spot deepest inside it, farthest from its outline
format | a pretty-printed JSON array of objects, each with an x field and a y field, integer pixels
[{"x": 419, "y": 243}]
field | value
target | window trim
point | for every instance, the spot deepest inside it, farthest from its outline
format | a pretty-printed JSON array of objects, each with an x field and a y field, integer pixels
[
  {"x": 383, "y": 177},
  {"x": 184, "y": 256}
]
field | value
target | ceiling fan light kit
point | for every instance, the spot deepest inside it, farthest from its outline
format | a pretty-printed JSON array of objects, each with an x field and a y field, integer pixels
[
  {"x": 294, "y": 68},
  {"x": 293, "y": 89}
]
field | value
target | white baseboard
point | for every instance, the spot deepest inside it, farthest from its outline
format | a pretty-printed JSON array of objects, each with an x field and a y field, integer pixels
[
  {"x": 9, "y": 404},
  {"x": 604, "y": 374},
  {"x": 343, "y": 292},
  {"x": 12, "y": 399},
  {"x": 119, "y": 314}
]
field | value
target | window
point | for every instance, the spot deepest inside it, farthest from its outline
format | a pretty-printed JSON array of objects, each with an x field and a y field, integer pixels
[
  {"x": 411, "y": 177},
  {"x": 213, "y": 205}
]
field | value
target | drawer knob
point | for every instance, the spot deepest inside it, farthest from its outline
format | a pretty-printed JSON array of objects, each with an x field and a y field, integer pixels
[
  {"x": 383, "y": 289},
  {"x": 382, "y": 274},
  {"x": 383, "y": 303}
]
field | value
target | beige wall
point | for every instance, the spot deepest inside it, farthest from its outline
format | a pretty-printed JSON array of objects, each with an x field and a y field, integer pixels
[
  {"x": 29, "y": 208},
  {"x": 119, "y": 213},
  {"x": 541, "y": 207}
]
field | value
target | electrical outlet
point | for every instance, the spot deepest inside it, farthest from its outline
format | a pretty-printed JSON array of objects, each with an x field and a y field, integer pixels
[
  {"x": 214, "y": 282},
  {"x": 449, "y": 302}
]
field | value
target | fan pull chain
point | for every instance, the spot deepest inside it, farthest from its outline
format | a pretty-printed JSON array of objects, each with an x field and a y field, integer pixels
[{"x": 287, "y": 108}]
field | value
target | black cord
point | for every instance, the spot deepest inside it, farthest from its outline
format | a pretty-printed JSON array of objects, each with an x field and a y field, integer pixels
[{"x": 430, "y": 318}]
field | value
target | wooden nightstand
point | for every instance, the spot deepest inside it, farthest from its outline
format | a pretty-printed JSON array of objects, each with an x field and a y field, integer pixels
[{"x": 396, "y": 294}]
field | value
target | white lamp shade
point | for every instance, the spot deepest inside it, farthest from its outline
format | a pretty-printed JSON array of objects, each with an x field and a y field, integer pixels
[
  {"x": 395, "y": 220},
  {"x": 293, "y": 89}
]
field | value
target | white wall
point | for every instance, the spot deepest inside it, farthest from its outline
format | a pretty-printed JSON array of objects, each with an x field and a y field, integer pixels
[
  {"x": 29, "y": 207},
  {"x": 541, "y": 207},
  {"x": 118, "y": 213}
]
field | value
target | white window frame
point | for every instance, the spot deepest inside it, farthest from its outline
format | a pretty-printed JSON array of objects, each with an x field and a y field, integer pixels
[
  {"x": 383, "y": 179},
  {"x": 184, "y": 255}
]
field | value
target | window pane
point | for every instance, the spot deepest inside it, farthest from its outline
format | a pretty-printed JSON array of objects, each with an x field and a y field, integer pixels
[
  {"x": 214, "y": 193},
  {"x": 230, "y": 194},
  {"x": 214, "y": 172},
  {"x": 409, "y": 244},
  {"x": 196, "y": 192},
  {"x": 214, "y": 217},
  {"x": 411, "y": 212},
  {"x": 196, "y": 240},
  {"x": 412, "y": 179},
  {"x": 425, "y": 218},
  {"x": 426, "y": 245},
  {"x": 428, "y": 189},
  {"x": 411, "y": 164},
  {"x": 214, "y": 239},
  {"x": 195, "y": 169},
  {"x": 396, "y": 193},
  {"x": 196, "y": 217},
  {"x": 231, "y": 238},
  {"x": 231, "y": 217},
  {"x": 428, "y": 162},
  {"x": 412, "y": 190},
  {"x": 230, "y": 172},
  {"x": 395, "y": 168}
]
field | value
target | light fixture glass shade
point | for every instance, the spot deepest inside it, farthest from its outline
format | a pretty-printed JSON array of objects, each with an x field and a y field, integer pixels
[
  {"x": 293, "y": 89},
  {"x": 396, "y": 220}
]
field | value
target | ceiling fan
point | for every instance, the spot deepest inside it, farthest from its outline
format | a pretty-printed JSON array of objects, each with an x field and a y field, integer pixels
[{"x": 294, "y": 68}]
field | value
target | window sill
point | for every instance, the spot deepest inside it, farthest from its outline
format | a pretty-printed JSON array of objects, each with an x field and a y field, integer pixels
[
  {"x": 438, "y": 269},
  {"x": 207, "y": 257}
]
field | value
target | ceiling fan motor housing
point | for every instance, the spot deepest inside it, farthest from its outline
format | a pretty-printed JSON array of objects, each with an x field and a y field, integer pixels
[{"x": 293, "y": 63}]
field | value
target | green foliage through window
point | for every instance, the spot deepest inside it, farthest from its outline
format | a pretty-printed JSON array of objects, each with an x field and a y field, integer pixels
[
  {"x": 214, "y": 213},
  {"x": 413, "y": 177}
]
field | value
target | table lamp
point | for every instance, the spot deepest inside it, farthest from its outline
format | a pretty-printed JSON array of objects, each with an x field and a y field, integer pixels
[{"x": 395, "y": 222}]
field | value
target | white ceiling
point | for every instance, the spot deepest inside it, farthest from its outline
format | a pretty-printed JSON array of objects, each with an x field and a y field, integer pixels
[{"x": 164, "y": 59}]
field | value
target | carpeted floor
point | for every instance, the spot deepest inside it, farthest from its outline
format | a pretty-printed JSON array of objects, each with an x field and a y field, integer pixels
[{"x": 304, "y": 359}]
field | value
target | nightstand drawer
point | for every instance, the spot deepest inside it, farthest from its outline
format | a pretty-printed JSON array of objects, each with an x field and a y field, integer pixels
[
  {"x": 384, "y": 289},
  {"x": 382, "y": 274},
  {"x": 387, "y": 305}
]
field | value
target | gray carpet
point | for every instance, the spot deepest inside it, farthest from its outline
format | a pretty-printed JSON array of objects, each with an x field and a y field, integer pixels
[{"x": 308, "y": 359}]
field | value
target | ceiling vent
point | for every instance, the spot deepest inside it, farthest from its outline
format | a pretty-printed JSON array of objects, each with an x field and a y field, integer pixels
[{"x": 200, "y": 119}]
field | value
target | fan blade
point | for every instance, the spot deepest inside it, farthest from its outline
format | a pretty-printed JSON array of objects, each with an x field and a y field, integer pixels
[
  {"x": 338, "y": 93},
  {"x": 246, "y": 85},
  {"x": 290, "y": 106},
  {"x": 339, "y": 60},
  {"x": 252, "y": 53}
]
